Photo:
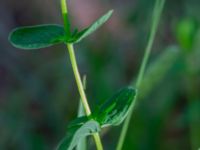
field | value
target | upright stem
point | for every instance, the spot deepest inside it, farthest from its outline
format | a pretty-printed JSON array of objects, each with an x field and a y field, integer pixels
[
  {"x": 156, "y": 16},
  {"x": 65, "y": 17},
  {"x": 76, "y": 72},
  {"x": 78, "y": 79},
  {"x": 155, "y": 20},
  {"x": 81, "y": 110},
  {"x": 82, "y": 92}
]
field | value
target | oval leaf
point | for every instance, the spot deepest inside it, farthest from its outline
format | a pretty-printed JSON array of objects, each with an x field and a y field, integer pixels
[
  {"x": 115, "y": 109},
  {"x": 76, "y": 133},
  {"x": 35, "y": 37},
  {"x": 80, "y": 35}
]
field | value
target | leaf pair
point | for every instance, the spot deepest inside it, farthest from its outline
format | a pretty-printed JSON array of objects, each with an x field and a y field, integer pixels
[
  {"x": 110, "y": 113},
  {"x": 41, "y": 36}
]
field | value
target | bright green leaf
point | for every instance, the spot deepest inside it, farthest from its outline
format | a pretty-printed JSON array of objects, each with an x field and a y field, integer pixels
[
  {"x": 76, "y": 133},
  {"x": 84, "y": 33},
  {"x": 115, "y": 109},
  {"x": 35, "y": 37},
  {"x": 185, "y": 33}
]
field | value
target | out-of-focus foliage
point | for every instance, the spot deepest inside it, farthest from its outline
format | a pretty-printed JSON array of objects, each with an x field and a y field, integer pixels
[
  {"x": 185, "y": 33},
  {"x": 38, "y": 95}
]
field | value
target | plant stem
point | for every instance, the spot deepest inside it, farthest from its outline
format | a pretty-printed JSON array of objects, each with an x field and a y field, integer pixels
[
  {"x": 155, "y": 20},
  {"x": 65, "y": 17},
  {"x": 81, "y": 110},
  {"x": 82, "y": 92},
  {"x": 156, "y": 15},
  {"x": 78, "y": 79},
  {"x": 76, "y": 72}
]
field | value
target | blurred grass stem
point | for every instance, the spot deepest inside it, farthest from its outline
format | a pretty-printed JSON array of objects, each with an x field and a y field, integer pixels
[{"x": 155, "y": 20}]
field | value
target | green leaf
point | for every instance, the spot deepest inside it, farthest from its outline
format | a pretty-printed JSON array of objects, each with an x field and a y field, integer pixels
[
  {"x": 76, "y": 133},
  {"x": 79, "y": 121},
  {"x": 35, "y": 37},
  {"x": 115, "y": 109},
  {"x": 84, "y": 33},
  {"x": 82, "y": 144},
  {"x": 186, "y": 30}
]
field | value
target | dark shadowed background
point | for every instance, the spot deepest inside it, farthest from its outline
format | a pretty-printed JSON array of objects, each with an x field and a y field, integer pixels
[{"x": 38, "y": 94}]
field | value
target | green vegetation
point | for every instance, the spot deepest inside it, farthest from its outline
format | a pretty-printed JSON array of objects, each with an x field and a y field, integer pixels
[
  {"x": 121, "y": 106},
  {"x": 113, "y": 112}
]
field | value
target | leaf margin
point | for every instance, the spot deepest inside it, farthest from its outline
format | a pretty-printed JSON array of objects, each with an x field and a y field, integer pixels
[{"x": 63, "y": 39}]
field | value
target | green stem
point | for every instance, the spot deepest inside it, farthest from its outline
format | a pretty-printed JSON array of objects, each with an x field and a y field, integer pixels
[
  {"x": 156, "y": 15},
  {"x": 82, "y": 92},
  {"x": 78, "y": 79},
  {"x": 98, "y": 142},
  {"x": 81, "y": 110},
  {"x": 155, "y": 20},
  {"x": 76, "y": 72},
  {"x": 65, "y": 17}
]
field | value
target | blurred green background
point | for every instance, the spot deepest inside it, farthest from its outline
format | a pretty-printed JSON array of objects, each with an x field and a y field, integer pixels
[{"x": 38, "y": 94}]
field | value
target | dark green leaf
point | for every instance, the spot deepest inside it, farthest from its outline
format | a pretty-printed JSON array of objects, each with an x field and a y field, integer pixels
[
  {"x": 115, "y": 109},
  {"x": 76, "y": 133},
  {"x": 82, "y": 144},
  {"x": 79, "y": 121},
  {"x": 80, "y": 35},
  {"x": 39, "y": 36}
]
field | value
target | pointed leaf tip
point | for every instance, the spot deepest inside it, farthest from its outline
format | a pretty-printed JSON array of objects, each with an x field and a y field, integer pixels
[{"x": 89, "y": 30}]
